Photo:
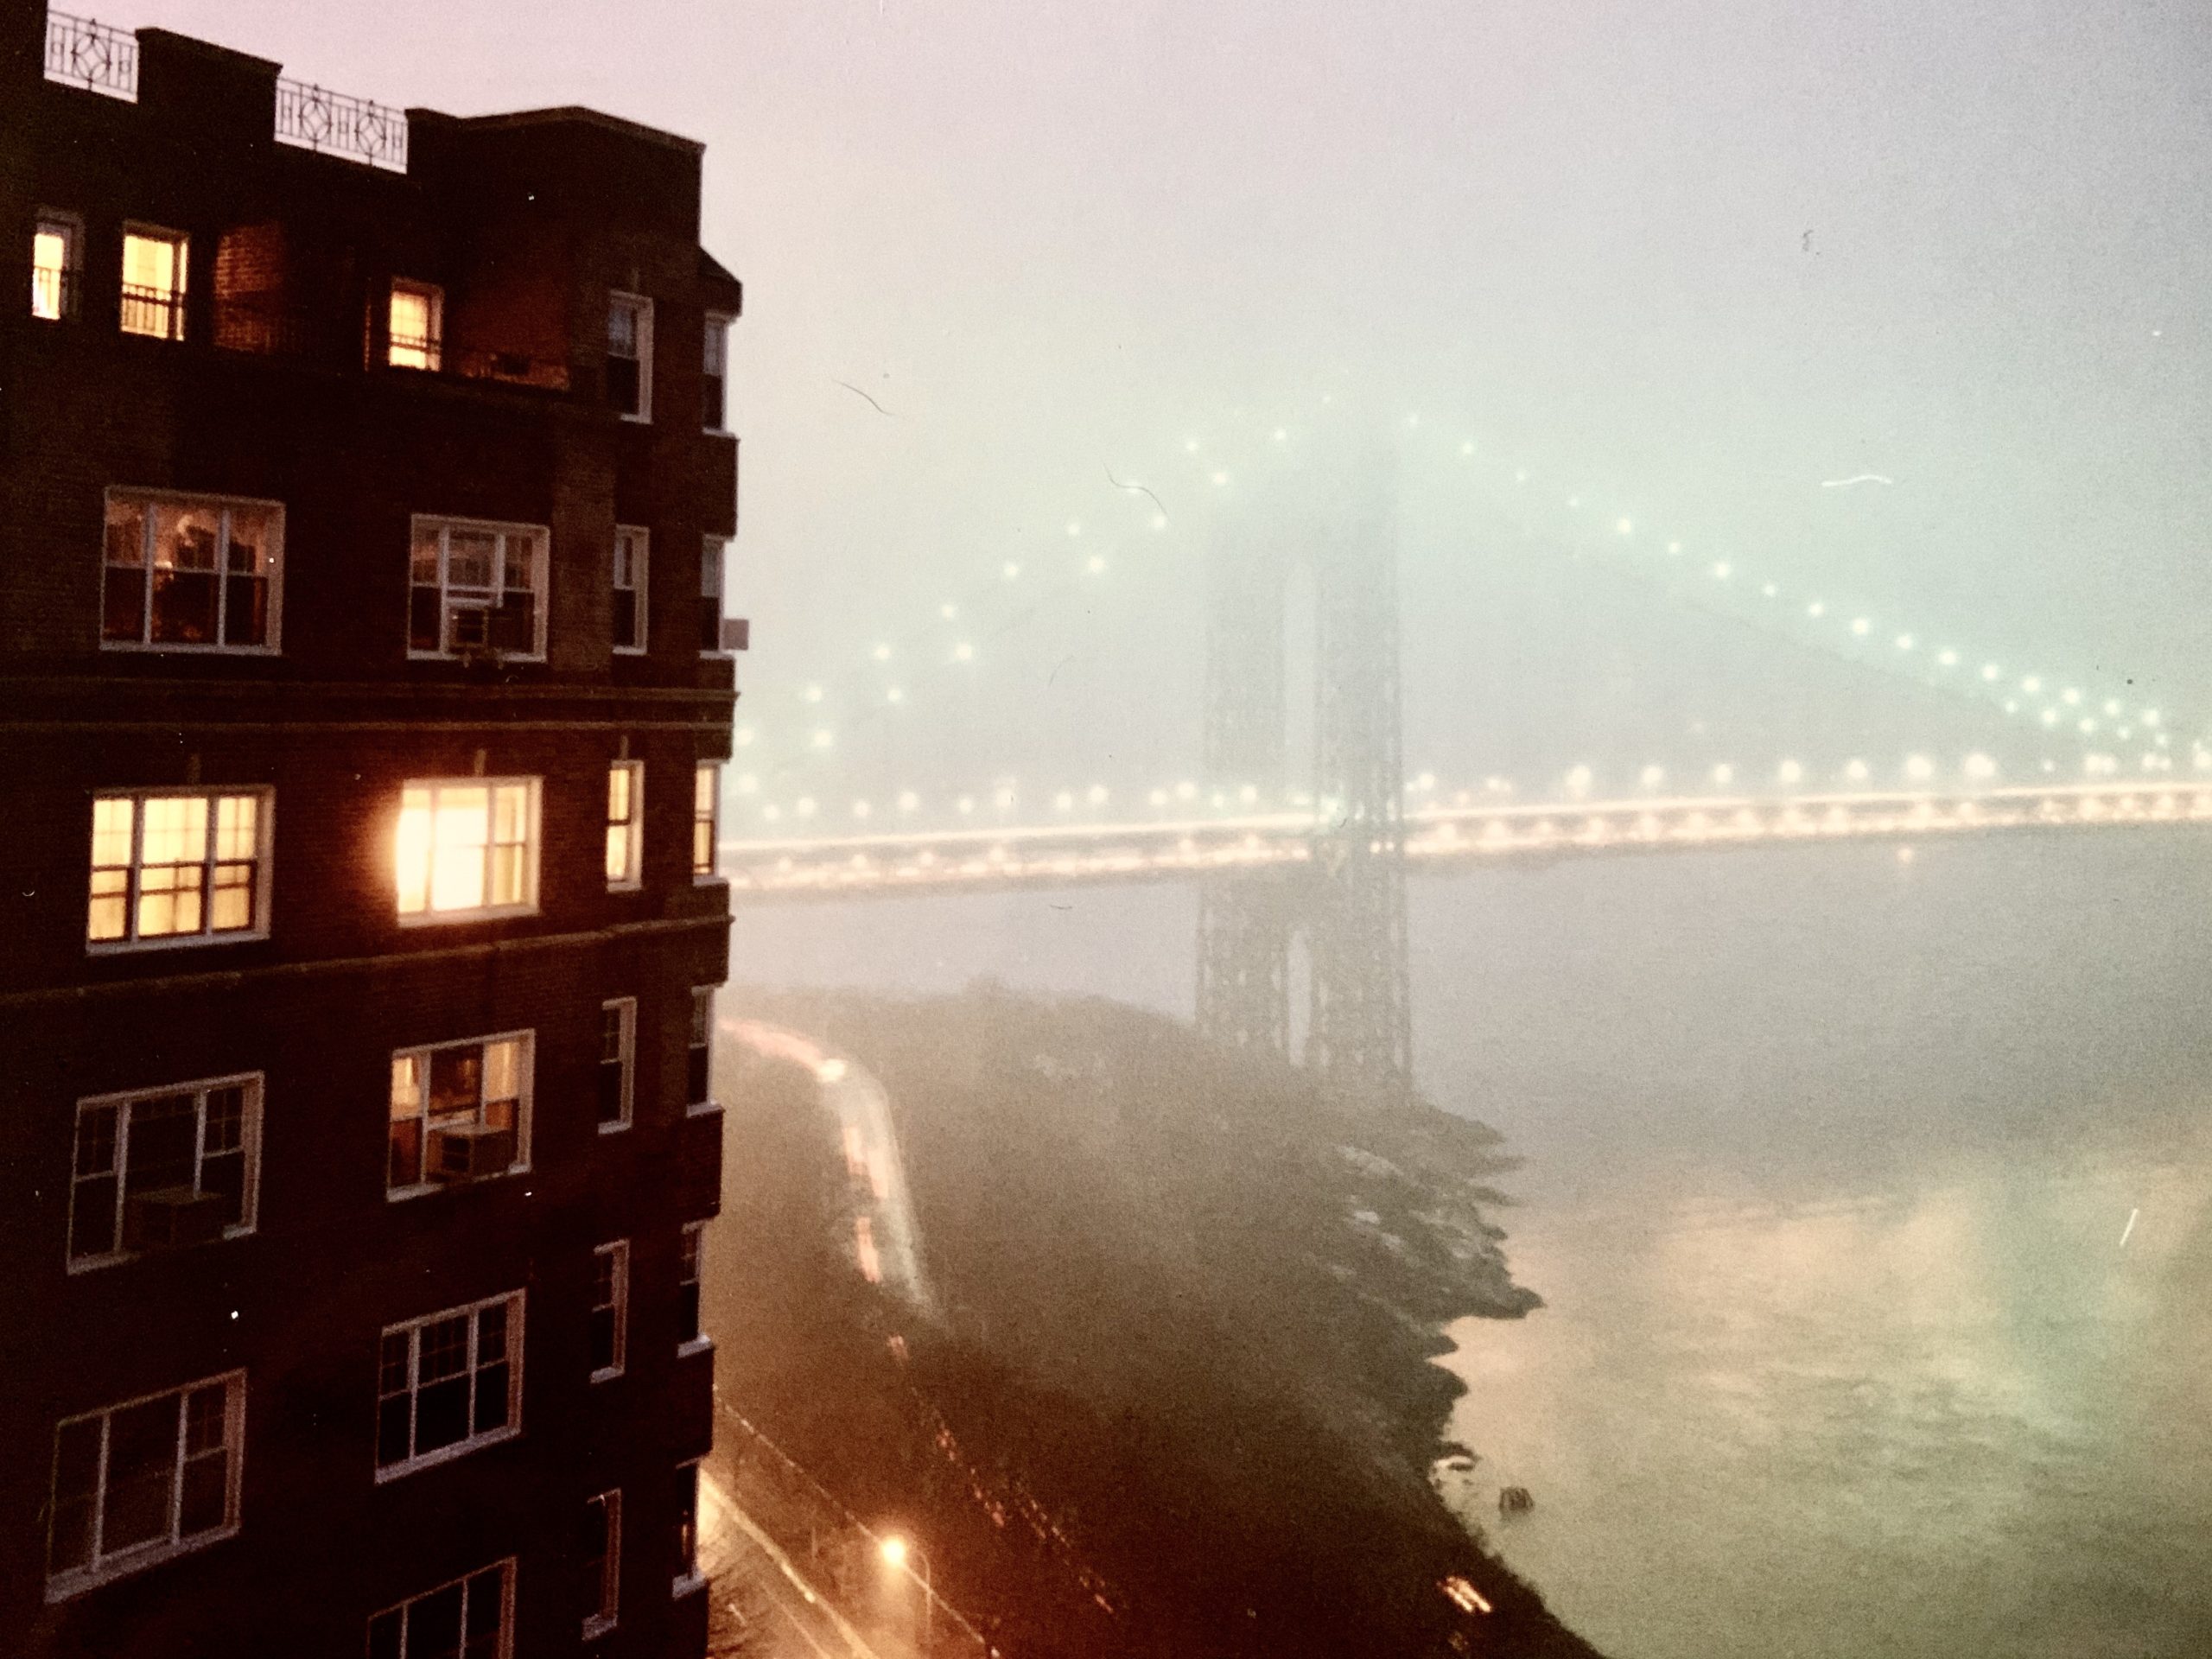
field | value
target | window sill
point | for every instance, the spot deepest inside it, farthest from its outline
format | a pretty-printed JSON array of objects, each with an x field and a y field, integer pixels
[
  {"x": 167, "y": 647},
  {"x": 445, "y": 917},
  {"x": 615, "y": 1128},
  {"x": 629, "y": 651},
  {"x": 696, "y": 1345},
  {"x": 636, "y": 885},
  {"x": 173, "y": 942},
  {"x": 598, "y": 1625},
  {"x": 118, "y": 1258},
  {"x": 537, "y": 656},
  {"x": 76, "y": 1582},
  {"x": 420, "y": 1189},
  {"x": 686, "y": 1584},
  {"x": 445, "y": 1454},
  {"x": 701, "y": 1108},
  {"x": 608, "y": 1376}
]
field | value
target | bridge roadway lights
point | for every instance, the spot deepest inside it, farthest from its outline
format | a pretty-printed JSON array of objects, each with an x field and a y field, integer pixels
[{"x": 1437, "y": 840}]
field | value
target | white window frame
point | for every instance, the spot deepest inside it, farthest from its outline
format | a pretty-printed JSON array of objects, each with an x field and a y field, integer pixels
[
  {"x": 604, "y": 1616},
  {"x": 174, "y": 301},
  {"x": 699, "y": 1038},
  {"x": 422, "y": 1054},
  {"x": 707, "y": 815},
  {"x": 252, "y": 1084},
  {"x": 644, "y": 311},
  {"x": 633, "y": 557},
  {"x": 628, "y": 833},
  {"x": 102, "y": 1567},
  {"x": 480, "y": 599},
  {"x": 69, "y": 276},
  {"x": 427, "y": 353},
  {"x": 713, "y": 560},
  {"x": 150, "y": 501},
  {"x": 624, "y": 1009},
  {"x": 690, "y": 1575},
  {"x": 209, "y": 864},
  {"x": 691, "y": 1241},
  {"x": 504, "y": 1568},
  {"x": 427, "y": 915},
  {"x": 618, "y": 1252},
  {"x": 713, "y": 363},
  {"x": 475, "y": 1439}
]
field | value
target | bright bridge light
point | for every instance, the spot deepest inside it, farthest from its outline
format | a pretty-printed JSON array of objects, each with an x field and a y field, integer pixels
[
  {"x": 1221, "y": 478},
  {"x": 1724, "y": 773},
  {"x": 964, "y": 652},
  {"x": 743, "y": 737},
  {"x": 1010, "y": 569},
  {"x": 1948, "y": 658},
  {"x": 908, "y": 800},
  {"x": 1991, "y": 672},
  {"x": 862, "y": 809},
  {"x": 1720, "y": 570},
  {"x": 823, "y": 738},
  {"x": 812, "y": 694},
  {"x": 948, "y": 610},
  {"x": 1816, "y": 608},
  {"x": 1187, "y": 791},
  {"x": 804, "y": 806},
  {"x": 1624, "y": 526},
  {"x": 1160, "y": 521},
  {"x": 1097, "y": 795},
  {"x": 2071, "y": 697},
  {"x": 2112, "y": 705},
  {"x": 1981, "y": 767},
  {"x": 1919, "y": 768},
  {"x": 1652, "y": 777},
  {"x": 1791, "y": 773},
  {"x": 1065, "y": 801},
  {"x": 967, "y": 803},
  {"x": 1095, "y": 563},
  {"x": 881, "y": 653},
  {"x": 1074, "y": 528},
  {"x": 2031, "y": 686},
  {"x": 1468, "y": 447},
  {"x": 1856, "y": 771},
  {"x": 1862, "y": 626},
  {"x": 1577, "y": 780},
  {"x": 1674, "y": 547},
  {"x": 896, "y": 694},
  {"x": 1904, "y": 642}
]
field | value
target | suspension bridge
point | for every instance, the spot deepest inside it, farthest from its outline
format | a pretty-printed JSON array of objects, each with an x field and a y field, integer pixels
[{"x": 1304, "y": 824}]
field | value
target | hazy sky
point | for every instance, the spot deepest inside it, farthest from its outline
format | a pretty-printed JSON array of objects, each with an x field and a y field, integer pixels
[{"x": 1694, "y": 257}]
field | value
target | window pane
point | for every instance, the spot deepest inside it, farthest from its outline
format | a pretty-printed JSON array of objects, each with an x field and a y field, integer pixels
[
  {"x": 123, "y": 604},
  {"x": 471, "y": 557},
  {"x": 237, "y": 820},
  {"x": 414, "y": 850},
  {"x": 184, "y": 592},
  {"x": 618, "y": 794},
  {"x": 149, "y": 262},
  {"x": 456, "y": 1079},
  {"x": 434, "y": 1624},
  {"x": 141, "y": 1474},
  {"x": 457, "y": 874},
  {"x": 162, "y": 1143},
  {"x": 502, "y": 1069},
  {"x": 176, "y": 829},
  {"x": 76, "y": 1480}
]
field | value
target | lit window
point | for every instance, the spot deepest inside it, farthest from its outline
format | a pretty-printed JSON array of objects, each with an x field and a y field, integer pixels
[
  {"x": 715, "y": 372},
  {"x": 712, "y": 557},
  {"x": 610, "y": 1308},
  {"x": 630, "y": 356},
  {"x": 415, "y": 325},
  {"x": 691, "y": 1256},
  {"x": 54, "y": 247},
  {"x": 706, "y": 804},
  {"x": 449, "y": 1383},
  {"x": 153, "y": 283},
  {"x": 630, "y": 545},
  {"x": 174, "y": 868},
  {"x": 476, "y": 589},
  {"x": 163, "y": 1168},
  {"x": 459, "y": 1112},
  {"x": 626, "y": 806},
  {"x": 602, "y": 1561},
  {"x": 701, "y": 1048},
  {"x": 470, "y": 1618},
  {"x": 467, "y": 848},
  {"x": 143, "y": 1481},
  {"x": 617, "y": 1051},
  {"x": 182, "y": 571},
  {"x": 688, "y": 1576}
]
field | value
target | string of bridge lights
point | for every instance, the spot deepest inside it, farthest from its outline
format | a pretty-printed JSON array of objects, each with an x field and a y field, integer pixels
[{"x": 2040, "y": 700}]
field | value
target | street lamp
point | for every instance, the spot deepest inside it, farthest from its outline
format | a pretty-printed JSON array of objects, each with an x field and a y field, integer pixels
[{"x": 894, "y": 1550}]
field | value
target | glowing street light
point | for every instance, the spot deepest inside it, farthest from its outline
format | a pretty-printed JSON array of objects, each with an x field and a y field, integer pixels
[{"x": 896, "y": 1552}]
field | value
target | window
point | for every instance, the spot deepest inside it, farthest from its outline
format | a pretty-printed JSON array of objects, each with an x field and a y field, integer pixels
[
  {"x": 630, "y": 356},
  {"x": 712, "y": 557},
  {"x": 629, "y": 588},
  {"x": 688, "y": 1576},
  {"x": 470, "y": 1618},
  {"x": 162, "y": 1168},
  {"x": 447, "y": 1383},
  {"x": 467, "y": 847},
  {"x": 610, "y": 1308},
  {"x": 143, "y": 1481},
  {"x": 618, "y": 1054},
  {"x": 626, "y": 808},
  {"x": 178, "y": 868},
  {"x": 153, "y": 283},
  {"x": 459, "y": 1112},
  {"x": 416, "y": 324},
  {"x": 690, "y": 1256},
  {"x": 602, "y": 1561},
  {"x": 182, "y": 571},
  {"x": 715, "y": 375},
  {"x": 477, "y": 589},
  {"x": 706, "y": 804},
  {"x": 701, "y": 1051},
  {"x": 54, "y": 250}
]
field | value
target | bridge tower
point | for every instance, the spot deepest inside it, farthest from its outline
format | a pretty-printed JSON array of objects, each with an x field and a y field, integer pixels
[{"x": 1349, "y": 900}]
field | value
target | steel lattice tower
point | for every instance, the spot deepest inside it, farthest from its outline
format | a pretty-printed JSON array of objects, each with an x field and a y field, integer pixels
[{"x": 1349, "y": 898}]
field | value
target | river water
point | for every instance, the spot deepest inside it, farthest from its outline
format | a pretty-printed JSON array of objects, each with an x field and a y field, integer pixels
[{"x": 1829, "y": 1157}]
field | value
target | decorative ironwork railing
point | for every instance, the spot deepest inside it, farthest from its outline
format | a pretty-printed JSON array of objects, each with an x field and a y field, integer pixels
[
  {"x": 91, "y": 54},
  {"x": 514, "y": 368},
  {"x": 158, "y": 312},
  {"x": 54, "y": 293},
  {"x": 317, "y": 118}
]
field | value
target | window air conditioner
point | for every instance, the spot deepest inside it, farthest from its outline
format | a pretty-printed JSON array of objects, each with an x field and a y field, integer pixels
[
  {"x": 469, "y": 1152},
  {"x": 169, "y": 1218}
]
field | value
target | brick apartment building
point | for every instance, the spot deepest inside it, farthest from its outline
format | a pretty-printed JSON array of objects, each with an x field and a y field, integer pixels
[{"x": 365, "y": 491}]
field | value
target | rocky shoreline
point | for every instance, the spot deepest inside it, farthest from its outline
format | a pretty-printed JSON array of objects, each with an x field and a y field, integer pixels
[{"x": 1177, "y": 1395}]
